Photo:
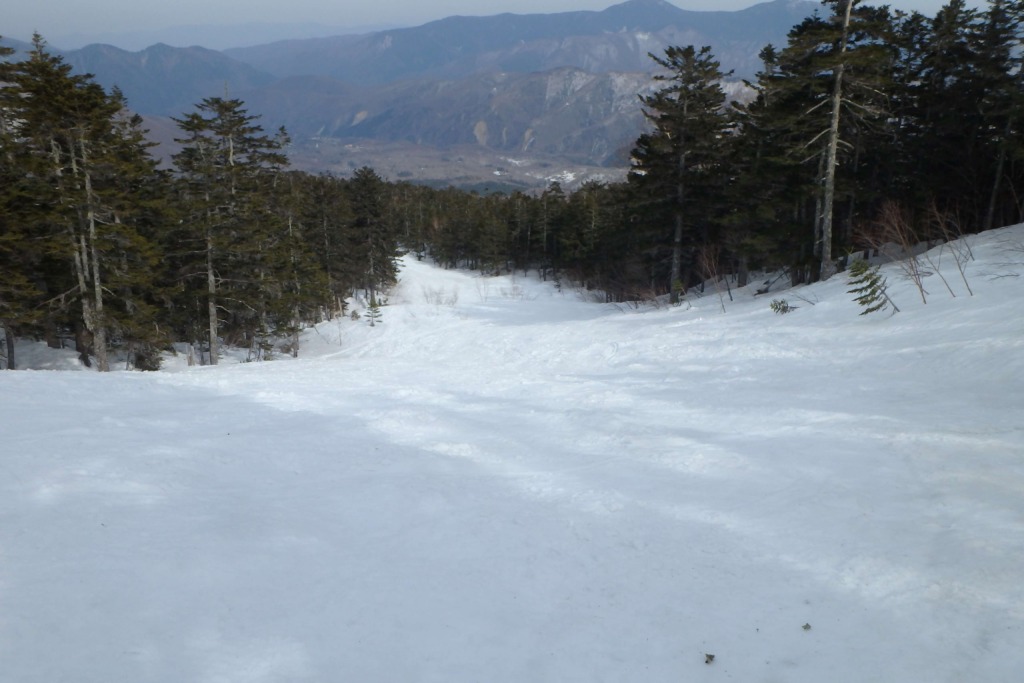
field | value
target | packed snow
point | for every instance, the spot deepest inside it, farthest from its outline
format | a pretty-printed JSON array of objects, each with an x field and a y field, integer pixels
[{"x": 505, "y": 481}]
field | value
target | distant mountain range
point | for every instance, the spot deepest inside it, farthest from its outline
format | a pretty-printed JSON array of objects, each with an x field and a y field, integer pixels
[
  {"x": 556, "y": 91},
  {"x": 214, "y": 37},
  {"x": 167, "y": 81},
  {"x": 616, "y": 39}
]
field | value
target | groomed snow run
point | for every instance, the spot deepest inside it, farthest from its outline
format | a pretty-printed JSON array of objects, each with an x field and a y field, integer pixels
[{"x": 503, "y": 482}]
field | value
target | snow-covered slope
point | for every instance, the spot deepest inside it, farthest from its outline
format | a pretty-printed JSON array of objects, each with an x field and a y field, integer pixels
[{"x": 505, "y": 482}]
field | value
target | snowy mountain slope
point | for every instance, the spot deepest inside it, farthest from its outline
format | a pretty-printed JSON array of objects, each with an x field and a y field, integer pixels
[{"x": 503, "y": 482}]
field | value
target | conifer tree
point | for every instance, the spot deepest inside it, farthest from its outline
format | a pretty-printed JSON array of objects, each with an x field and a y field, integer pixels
[
  {"x": 373, "y": 242},
  {"x": 326, "y": 214},
  {"x": 679, "y": 164},
  {"x": 768, "y": 186},
  {"x": 1000, "y": 42},
  {"x": 129, "y": 212},
  {"x": 959, "y": 96},
  {"x": 520, "y": 224},
  {"x": 19, "y": 297},
  {"x": 227, "y": 164},
  {"x": 298, "y": 287},
  {"x": 373, "y": 313},
  {"x": 591, "y": 219},
  {"x": 82, "y": 163},
  {"x": 938, "y": 107},
  {"x": 824, "y": 105},
  {"x": 549, "y": 222}
]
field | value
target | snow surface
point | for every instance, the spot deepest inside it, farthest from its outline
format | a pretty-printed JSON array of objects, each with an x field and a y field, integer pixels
[{"x": 504, "y": 482}]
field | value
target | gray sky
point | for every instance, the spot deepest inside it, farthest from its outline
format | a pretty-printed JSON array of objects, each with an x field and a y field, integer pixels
[{"x": 52, "y": 18}]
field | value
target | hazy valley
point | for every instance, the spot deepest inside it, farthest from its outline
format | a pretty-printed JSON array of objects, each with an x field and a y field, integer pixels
[{"x": 501, "y": 102}]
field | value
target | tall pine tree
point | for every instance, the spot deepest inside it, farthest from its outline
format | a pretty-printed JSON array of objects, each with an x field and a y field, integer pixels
[
  {"x": 227, "y": 164},
  {"x": 679, "y": 165},
  {"x": 82, "y": 162}
]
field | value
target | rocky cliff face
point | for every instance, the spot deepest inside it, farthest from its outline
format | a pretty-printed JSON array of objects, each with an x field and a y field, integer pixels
[{"x": 565, "y": 112}]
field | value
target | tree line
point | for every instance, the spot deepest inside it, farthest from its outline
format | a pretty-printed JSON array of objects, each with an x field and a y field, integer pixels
[
  {"x": 868, "y": 122},
  {"x": 101, "y": 246},
  {"x": 866, "y": 117}
]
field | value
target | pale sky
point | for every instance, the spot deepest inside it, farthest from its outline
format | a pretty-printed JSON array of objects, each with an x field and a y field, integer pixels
[{"x": 20, "y": 18}]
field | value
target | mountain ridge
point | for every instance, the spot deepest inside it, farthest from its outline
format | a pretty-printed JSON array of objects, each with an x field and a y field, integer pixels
[
  {"x": 615, "y": 39},
  {"x": 406, "y": 98},
  {"x": 166, "y": 80}
]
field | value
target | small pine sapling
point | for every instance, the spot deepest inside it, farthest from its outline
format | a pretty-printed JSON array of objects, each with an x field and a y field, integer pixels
[
  {"x": 781, "y": 306},
  {"x": 869, "y": 288},
  {"x": 373, "y": 310}
]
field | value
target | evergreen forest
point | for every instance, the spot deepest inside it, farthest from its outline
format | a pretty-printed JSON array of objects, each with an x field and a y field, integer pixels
[{"x": 869, "y": 126}]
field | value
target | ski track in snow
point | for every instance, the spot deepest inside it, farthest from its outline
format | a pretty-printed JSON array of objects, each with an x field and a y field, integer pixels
[{"x": 502, "y": 482}]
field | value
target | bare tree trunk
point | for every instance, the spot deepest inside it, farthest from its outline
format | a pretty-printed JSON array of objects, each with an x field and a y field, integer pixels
[
  {"x": 742, "y": 272},
  {"x": 828, "y": 268},
  {"x": 990, "y": 216},
  {"x": 9, "y": 341},
  {"x": 297, "y": 282},
  {"x": 529, "y": 236},
  {"x": 677, "y": 240},
  {"x": 81, "y": 265},
  {"x": 86, "y": 263},
  {"x": 818, "y": 227},
  {"x": 99, "y": 332},
  {"x": 677, "y": 258},
  {"x": 372, "y": 310},
  {"x": 83, "y": 343},
  {"x": 707, "y": 259},
  {"x": 211, "y": 290}
]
